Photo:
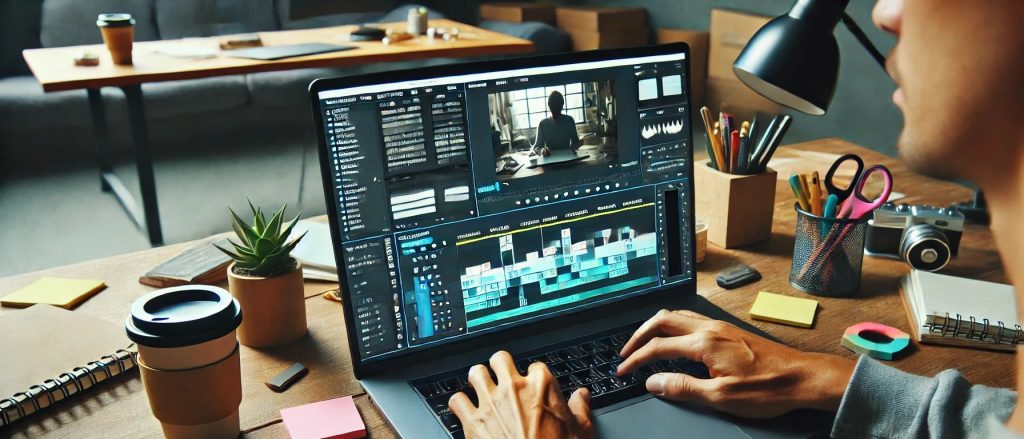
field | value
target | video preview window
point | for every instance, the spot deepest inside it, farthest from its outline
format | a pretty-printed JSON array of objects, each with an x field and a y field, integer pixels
[{"x": 545, "y": 129}]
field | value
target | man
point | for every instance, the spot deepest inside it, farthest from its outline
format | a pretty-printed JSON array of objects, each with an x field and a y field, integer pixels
[
  {"x": 557, "y": 132},
  {"x": 960, "y": 68}
]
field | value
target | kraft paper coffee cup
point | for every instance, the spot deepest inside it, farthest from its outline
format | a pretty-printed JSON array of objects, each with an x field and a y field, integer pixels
[
  {"x": 188, "y": 358},
  {"x": 118, "y": 32}
]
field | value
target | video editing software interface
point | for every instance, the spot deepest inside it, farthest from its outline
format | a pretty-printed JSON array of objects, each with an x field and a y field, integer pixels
[{"x": 455, "y": 221}]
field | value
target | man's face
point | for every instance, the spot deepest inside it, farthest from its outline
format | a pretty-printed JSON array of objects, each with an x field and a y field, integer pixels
[{"x": 960, "y": 70}]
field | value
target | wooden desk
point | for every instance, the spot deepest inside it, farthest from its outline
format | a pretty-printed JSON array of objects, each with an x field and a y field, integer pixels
[
  {"x": 54, "y": 69},
  {"x": 120, "y": 406}
]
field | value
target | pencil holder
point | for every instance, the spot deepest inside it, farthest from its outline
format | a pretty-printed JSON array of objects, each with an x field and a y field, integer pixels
[
  {"x": 738, "y": 208},
  {"x": 827, "y": 255}
]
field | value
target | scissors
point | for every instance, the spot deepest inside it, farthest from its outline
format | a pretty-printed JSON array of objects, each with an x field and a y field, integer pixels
[{"x": 853, "y": 204}]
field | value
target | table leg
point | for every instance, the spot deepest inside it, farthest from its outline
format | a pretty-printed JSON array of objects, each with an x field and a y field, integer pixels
[
  {"x": 99, "y": 126},
  {"x": 144, "y": 162}
]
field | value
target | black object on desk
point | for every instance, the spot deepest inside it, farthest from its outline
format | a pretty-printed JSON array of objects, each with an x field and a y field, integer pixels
[
  {"x": 737, "y": 276},
  {"x": 556, "y": 157},
  {"x": 367, "y": 33},
  {"x": 284, "y": 380},
  {"x": 270, "y": 53}
]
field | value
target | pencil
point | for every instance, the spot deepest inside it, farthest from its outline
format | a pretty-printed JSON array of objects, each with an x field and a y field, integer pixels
[
  {"x": 709, "y": 135},
  {"x": 717, "y": 158},
  {"x": 744, "y": 160},
  {"x": 775, "y": 141},
  {"x": 815, "y": 184}
]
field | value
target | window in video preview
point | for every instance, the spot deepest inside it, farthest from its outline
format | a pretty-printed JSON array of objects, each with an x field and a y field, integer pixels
[{"x": 468, "y": 204}]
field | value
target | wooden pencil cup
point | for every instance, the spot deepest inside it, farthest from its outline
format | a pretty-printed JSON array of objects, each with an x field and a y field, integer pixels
[{"x": 738, "y": 208}]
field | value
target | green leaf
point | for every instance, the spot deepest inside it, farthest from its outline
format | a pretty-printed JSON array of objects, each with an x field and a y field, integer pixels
[
  {"x": 228, "y": 252},
  {"x": 288, "y": 229},
  {"x": 239, "y": 227},
  {"x": 259, "y": 222},
  {"x": 264, "y": 247},
  {"x": 274, "y": 226}
]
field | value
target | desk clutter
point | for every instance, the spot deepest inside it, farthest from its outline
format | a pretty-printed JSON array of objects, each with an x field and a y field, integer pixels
[
  {"x": 745, "y": 147},
  {"x": 787, "y": 310},
  {"x": 60, "y": 354},
  {"x": 65, "y": 293},
  {"x": 940, "y": 315},
  {"x": 334, "y": 419},
  {"x": 828, "y": 249}
]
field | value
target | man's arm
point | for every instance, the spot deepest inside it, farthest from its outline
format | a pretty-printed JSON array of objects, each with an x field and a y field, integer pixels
[
  {"x": 538, "y": 142},
  {"x": 882, "y": 401}
]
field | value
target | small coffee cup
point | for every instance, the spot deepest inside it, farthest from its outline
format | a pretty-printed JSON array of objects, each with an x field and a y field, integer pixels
[
  {"x": 118, "y": 32},
  {"x": 188, "y": 358}
]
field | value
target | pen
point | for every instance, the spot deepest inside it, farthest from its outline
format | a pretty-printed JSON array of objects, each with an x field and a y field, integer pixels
[
  {"x": 744, "y": 153},
  {"x": 830, "y": 206},
  {"x": 762, "y": 142},
  {"x": 774, "y": 143},
  {"x": 723, "y": 133},
  {"x": 794, "y": 183},
  {"x": 734, "y": 165}
]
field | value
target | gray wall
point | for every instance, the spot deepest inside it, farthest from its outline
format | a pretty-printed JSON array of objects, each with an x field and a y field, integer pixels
[{"x": 862, "y": 110}]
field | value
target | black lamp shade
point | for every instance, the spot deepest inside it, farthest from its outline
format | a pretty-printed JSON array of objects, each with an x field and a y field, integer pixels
[{"x": 794, "y": 59}]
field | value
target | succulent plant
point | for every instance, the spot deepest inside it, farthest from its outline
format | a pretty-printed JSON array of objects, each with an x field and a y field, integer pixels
[{"x": 264, "y": 250}]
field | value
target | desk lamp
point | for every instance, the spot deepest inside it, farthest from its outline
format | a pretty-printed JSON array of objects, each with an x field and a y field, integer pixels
[{"x": 794, "y": 61}]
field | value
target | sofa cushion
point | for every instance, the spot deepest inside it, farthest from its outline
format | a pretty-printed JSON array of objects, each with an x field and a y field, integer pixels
[
  {"x": 73, "y": 22},
  {"x": 204, "y": 18},
  {"x": 19, "y": 20},
  {"x": 545, "y": 38},
  {"x": 24, "y": 105},
  {"x": 308, "y": 14}
]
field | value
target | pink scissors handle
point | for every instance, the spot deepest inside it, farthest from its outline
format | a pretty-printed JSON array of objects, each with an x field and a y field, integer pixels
[{"x": 856, "y": 206}]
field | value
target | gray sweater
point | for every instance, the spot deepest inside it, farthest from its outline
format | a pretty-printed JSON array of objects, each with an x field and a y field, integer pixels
[{"x": 884, "y": 402}]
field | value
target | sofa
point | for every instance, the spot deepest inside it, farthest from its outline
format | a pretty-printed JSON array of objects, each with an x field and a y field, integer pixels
[{"x": 32, "y": 119}]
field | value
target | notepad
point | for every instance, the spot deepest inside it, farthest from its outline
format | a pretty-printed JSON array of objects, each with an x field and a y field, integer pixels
[
  {"x": 787, "y": 310},
  {"x": 331, "y": 419},
  {"x": 65, "y": 293}
]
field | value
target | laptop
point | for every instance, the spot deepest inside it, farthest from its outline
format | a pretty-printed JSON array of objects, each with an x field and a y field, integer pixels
[{"x": 444, "y": 260}]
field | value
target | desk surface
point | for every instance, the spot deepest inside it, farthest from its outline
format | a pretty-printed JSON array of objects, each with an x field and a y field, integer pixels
[
  {"x": 120, "y": 406},
  {"x": 55, "y": 69}
]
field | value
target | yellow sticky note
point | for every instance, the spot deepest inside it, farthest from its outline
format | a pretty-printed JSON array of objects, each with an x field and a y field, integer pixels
[
  {"x": 787, "y": 310},
  {"x": 65, "y": 293}
]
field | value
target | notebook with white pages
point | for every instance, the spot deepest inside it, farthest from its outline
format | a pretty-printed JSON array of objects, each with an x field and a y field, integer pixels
[{"x": 955, "y": 311}]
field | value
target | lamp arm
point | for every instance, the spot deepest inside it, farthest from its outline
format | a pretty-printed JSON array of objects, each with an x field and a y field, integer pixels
[{"x": 863, "y": 39}]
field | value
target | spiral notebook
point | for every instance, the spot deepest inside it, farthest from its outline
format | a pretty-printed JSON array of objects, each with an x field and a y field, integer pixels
[
  {"x": 52, "y": 355},
  {"x": 955, "y": 311}
]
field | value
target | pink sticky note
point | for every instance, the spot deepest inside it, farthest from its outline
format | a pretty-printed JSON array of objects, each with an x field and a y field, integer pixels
[{"x": 331, "y": 419}]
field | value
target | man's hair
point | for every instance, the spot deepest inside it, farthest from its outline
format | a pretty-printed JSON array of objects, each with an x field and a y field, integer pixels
[{"x": 556, "y": 102}]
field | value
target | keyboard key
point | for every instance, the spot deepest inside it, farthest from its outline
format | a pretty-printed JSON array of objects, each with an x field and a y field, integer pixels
[
  {"x": 573, "y": 352},
  {"x": 449, "y": 385},
  {"x": 560, "y": 369},
  {"x": 582, "y": 377},
  {"x": 522, "y": 366},
  {"x": 555, "y": 357},
  {"x": 439, "y": 404},
  {"x": 451, "y": 422},
  {"x": 576, "y": 365},
  {"x": 565, "y": 382}
]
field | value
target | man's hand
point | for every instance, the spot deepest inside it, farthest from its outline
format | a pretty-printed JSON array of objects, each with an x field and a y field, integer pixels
[
  {"x": 520, "y": 407},
  {"x": 750, "y": 376},
  {"x": 545, "y": 151}
]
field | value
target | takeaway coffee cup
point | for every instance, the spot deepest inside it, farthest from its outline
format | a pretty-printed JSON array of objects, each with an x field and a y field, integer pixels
[
  {"x": 188, "y": 358},
  {"x": 118, "y": 33}
]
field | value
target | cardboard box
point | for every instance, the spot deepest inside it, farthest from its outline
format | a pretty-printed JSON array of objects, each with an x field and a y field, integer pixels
[
  {"x": 518, "y": 12},
  {"x": 739, "y": 209},
  {"x": 590, "y": 40},
  {"x": 730, "y": 32},
  {"x": 698, "y": 42},
  {"x": 601, "y": 19}
]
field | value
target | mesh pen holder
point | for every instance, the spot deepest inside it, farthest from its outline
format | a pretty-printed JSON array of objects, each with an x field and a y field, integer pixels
[{"x": 827, "y": 255}]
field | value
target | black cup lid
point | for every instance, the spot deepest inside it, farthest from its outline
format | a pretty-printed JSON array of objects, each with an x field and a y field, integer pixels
[
  {"x": 183, "y": 316},
  {"x": 115, "y": 20}
]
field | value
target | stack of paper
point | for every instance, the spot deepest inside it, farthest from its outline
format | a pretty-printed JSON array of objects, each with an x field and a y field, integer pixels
[{"x": 315, "y": 251}]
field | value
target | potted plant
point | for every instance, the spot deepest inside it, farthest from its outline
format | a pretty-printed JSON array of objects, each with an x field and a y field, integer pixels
[{"x": 266, "y": 280}]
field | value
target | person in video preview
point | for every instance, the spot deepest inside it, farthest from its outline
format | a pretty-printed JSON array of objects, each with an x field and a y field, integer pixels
[
  {"x": 959, "y": 66},
  {"x": 557, "y": 132}
]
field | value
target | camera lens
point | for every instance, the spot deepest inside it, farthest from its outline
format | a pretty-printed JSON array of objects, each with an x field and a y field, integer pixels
[{"x": 925, "y": 247}]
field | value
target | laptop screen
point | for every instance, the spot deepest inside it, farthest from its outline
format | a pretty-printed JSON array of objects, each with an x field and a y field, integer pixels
[{"x": 472, "y": 203}]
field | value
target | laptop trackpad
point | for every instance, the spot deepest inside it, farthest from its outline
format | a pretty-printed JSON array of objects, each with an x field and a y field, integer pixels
[{"x": 654, "y": 418}]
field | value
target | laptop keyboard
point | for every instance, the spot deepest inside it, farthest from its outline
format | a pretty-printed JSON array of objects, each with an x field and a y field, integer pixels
[{"x": 588, "y": 361}]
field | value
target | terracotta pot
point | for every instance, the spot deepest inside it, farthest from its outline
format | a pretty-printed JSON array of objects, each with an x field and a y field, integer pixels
[{"x": 274, "y": 308}]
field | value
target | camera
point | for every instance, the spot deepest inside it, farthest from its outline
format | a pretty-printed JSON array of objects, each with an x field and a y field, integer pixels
[{"x": 926, "y": 237}]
